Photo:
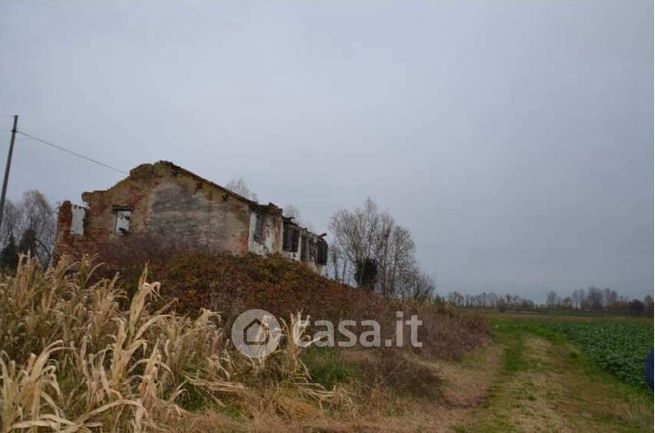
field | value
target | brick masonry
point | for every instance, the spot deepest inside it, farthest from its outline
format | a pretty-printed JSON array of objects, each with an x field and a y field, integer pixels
[{"x": 169, "y": 202}]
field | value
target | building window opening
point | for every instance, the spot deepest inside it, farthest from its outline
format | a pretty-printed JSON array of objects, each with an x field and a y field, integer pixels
[
  {"x": 322, "y": 256},
  {"x": 304, "y": 248},
  {"x": 122, "y": 221},
  {"x": 259, "y": 228},
  {"x": 290, "y": 238}
]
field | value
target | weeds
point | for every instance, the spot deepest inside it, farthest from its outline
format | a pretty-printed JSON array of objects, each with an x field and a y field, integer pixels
[
  {"x": 78, "y": 354},
  {"x": 329, "y": 368},
  {"x": 74, "y": 360}
]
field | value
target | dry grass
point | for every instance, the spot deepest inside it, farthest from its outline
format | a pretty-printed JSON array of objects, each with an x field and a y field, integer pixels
[
  {"x": 81, "y": 355},
  {"x": 74, "y": 359}
]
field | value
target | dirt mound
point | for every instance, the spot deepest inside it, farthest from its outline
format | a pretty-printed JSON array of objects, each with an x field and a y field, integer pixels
[{"x": 231, "y": 285}]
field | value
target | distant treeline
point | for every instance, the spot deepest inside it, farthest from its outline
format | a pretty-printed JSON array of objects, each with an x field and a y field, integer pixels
[{"x": 591, "y": 300}]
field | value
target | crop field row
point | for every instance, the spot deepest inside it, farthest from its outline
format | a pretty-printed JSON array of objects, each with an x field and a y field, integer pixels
[{"x": 620, "y": 348}]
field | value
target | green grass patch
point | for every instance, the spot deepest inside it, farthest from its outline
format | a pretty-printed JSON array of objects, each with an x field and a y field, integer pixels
[
  {"x": 618, "y": 347},
  {"x": 514, "y": 360},
  {"x": 194, "y": 399},
  {"x": 328, "y": 367},
  {"x": 511, "y": 335},
  {"x": 562, "y": 374}
]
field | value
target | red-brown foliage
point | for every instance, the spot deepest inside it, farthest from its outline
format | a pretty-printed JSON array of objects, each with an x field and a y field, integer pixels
[{"x": 232, "y": 284}]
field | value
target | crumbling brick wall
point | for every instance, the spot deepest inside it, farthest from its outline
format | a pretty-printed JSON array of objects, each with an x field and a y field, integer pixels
[{"x": 165, "y": 201}]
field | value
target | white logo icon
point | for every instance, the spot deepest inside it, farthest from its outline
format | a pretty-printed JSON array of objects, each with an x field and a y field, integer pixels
[{"x": 256, "y": 333}]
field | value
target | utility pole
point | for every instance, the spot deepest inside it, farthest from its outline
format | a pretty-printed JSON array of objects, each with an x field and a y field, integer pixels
[{"x": 7, "y": 167}]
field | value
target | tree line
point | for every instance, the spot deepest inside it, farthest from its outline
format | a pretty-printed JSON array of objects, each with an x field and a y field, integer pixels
[
  {"x": 596, "y": 299},
  {"x": 591, "y": 300}
]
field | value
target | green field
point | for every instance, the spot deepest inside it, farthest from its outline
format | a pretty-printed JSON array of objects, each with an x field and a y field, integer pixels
[
  {"x": 618, "y": 347},
  {"x": 568, "y": 374}
]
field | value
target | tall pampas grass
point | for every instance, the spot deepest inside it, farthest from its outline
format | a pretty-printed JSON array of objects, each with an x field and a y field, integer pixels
[{"x": 77, "y": 356}]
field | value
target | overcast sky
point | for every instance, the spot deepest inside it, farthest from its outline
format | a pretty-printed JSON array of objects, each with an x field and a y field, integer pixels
[{"x": 514, "y": 139}]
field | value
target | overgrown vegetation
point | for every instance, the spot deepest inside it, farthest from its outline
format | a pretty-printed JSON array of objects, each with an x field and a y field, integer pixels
[
  {"x": 74, "y": 359},
  {"x": 231, "y": 285},
  {"x": 80, "y": 354}
]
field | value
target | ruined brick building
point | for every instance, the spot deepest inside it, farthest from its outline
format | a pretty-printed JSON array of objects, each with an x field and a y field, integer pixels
[{"x": 165, "y": 201}]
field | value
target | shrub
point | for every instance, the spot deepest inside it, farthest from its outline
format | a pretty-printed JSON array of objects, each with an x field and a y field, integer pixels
[
  {"x": 231, "y": 285},
  {"x": 405, "y": 375}
]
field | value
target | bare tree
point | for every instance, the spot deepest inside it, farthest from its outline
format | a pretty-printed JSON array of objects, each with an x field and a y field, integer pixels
[
  {"x": 396, "y": 256},
  {"x": 567, "y": 303},
  {"x": 552, "y": 299},
  {"x": 492, "y": 299},
  {"x": 291, "y": 211},
  {"x": 353, "y": 232},
  {"x": 377, "y": 252},
  {"x": 32, "y": 223},
  {"x": 417, "y": 285},
  {"x": 338, "y": 264},
  {"x": 578, "y": 297},
  {"x": 594, "y": 299},
  {"x": 10, "y": 221},
  {"x": 456, "y": 299},
  {"x": 239, "y": 186},
  {"x": 648, "y": 303},
  {"x": 610, "y": 297}
]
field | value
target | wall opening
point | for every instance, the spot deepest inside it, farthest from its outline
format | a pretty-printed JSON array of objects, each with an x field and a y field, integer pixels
[
  {"x": 122, "y": 221},
  {"x": 259, "y": 227}
]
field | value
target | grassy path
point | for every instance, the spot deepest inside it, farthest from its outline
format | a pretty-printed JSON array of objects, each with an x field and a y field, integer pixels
[
  {"x": 528, "y": 381},
  {"x": 546, "y": 385}
]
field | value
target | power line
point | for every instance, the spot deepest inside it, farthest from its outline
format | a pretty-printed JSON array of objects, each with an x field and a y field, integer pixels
[{"x": 71, "y": 152}]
